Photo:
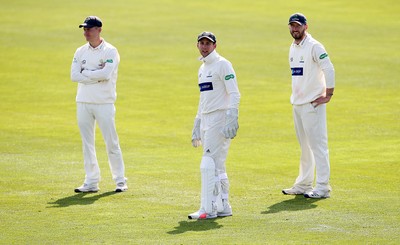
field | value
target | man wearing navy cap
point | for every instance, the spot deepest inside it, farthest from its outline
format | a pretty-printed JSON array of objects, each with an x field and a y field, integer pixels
[
  {"x": 215, "y": 124},
  {"x": 95, "y": 69},
  {"x": 313, "y": 82}
]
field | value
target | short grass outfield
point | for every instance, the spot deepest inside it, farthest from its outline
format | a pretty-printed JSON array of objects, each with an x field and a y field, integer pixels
[{"x": 40, "y": 147}]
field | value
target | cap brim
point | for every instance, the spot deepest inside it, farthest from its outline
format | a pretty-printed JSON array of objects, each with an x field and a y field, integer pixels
[
  {"x": 85, "y": 25},
  {"x": 298, "y": 22},
  {"x": 209, "y": 38}
]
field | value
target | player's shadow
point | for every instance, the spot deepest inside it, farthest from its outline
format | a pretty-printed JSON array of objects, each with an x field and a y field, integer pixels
[
  {"x": 198, "y": 225},
  {"x": 79, "y": 199},
  {"x": 296, "y": 204}
]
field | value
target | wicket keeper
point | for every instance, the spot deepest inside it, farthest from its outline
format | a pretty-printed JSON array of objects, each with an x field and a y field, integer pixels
[{"x": 215, "y": 124}]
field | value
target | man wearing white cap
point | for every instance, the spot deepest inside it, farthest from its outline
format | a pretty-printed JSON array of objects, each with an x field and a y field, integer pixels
[
  {"x": 216, "y": 123},
  {"x": 95, "y": 69},
  {"x": 313, "y": 82}
]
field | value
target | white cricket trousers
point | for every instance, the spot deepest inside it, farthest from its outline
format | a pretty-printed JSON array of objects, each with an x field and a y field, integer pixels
[
  {"x": 311, "y": 131},
  {"x": 104, "y": 115},
  {"x": 216, "y": 146}
]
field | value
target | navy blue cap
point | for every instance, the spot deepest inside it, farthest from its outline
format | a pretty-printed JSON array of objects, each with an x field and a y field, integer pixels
[
  {"x": 299, "y": 18},
  {"x": 209, "y": 35},
  {"x": 91, "y": 21}
]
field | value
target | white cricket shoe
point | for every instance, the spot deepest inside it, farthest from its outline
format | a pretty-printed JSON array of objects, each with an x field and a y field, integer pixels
[
  {"x": 87, "y": 188},
  {"x": 295, "y": 191},
  {"x": 121, "y": 187},
  {"x": 227, "y": 209},
  {"x": 317, "y": 194},
  {"x": 201, "y": 214}
]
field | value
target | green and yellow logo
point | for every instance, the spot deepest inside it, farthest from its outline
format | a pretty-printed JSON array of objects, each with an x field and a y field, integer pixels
[
  {"x": 230, "y": 76},
  {"x": 323, "y": 56}
]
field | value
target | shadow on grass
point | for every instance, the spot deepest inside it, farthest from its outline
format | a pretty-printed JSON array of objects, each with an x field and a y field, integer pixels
[
  {"x": 79, "y": 199},
  {"x": 198, "y": 225},
  {"x": 296, "y": 204}
]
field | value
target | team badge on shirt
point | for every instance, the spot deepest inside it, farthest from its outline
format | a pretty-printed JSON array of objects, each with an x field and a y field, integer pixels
[
  {"x": 323, "y": 56},
  {"x": 230, "y": 76}
]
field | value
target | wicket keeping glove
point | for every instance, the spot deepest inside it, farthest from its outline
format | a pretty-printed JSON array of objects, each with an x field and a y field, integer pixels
[
  {"x": 231, "y": 123},
  {"x": 196, "y": 138}
]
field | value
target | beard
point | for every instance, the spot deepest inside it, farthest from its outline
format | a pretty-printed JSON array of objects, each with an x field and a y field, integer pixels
[{"x": 298, "y": 35}]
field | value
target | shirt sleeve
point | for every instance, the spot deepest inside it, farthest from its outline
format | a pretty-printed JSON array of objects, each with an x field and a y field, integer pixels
[
  {"x": 321, "y": 57},
  {"x": 105, "y": 73},
  {"x": 228, "y": 75},
  {"x": 76, "y": 75}
]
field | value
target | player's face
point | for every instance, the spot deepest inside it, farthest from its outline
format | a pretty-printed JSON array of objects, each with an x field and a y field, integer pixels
[
  {"x": 297, "y": 31},
  {"x": 92, "y": 34},
  {"x": 205, "y": 46}
]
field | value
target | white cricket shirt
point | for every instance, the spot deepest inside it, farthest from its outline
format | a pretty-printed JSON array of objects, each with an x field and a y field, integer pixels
[
  {"x": 96, "y": 70},
  {"x": 312, "y": 71},
  {"x": 217, "y": 83}
]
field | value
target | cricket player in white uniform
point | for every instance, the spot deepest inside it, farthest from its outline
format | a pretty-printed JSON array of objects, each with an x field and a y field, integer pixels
[
  {"x": 95, "y": 68},
  {"x": 313, "y": 82},
  {"x": 216, "y": 123}
]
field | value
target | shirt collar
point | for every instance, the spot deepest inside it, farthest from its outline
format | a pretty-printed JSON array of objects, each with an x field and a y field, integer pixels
[
  {"x": 301, "y": 44},
  {"x": 210, "y": 58},
  {"x": 98, "y": 47}
]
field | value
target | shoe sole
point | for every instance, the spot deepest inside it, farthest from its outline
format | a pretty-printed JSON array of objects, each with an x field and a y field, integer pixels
[
  {"x": 286, "y": 193},
  {"x": 120, "y": 190},
  {"x": 316, "y": 197},
  {"x": 224, "y": 215},
  {"x": 79, "y": 191},
  {"x": 200, "y": 217}
]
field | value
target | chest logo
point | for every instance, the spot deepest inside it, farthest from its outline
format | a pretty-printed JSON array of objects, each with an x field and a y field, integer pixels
[
  {"x": 297, "y": 71},
  {"x": 206, "y": 86}
]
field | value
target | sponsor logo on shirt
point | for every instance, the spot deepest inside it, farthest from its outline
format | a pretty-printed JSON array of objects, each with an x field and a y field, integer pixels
[
  {"x": 109, "y": 61},
  {"x": 230, "y": 76},
  {"x": 297, "y": 71},
  {"x": 206, "y": 86},
  {"x": 323, "y": 56}
]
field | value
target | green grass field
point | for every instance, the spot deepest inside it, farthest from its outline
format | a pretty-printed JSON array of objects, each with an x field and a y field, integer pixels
[{"x": 40, "y": 147}]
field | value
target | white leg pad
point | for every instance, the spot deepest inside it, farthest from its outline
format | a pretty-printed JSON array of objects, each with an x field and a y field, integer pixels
[
  {"x": 223, "y": 178},
  {"x": 208, "y": 180}
]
